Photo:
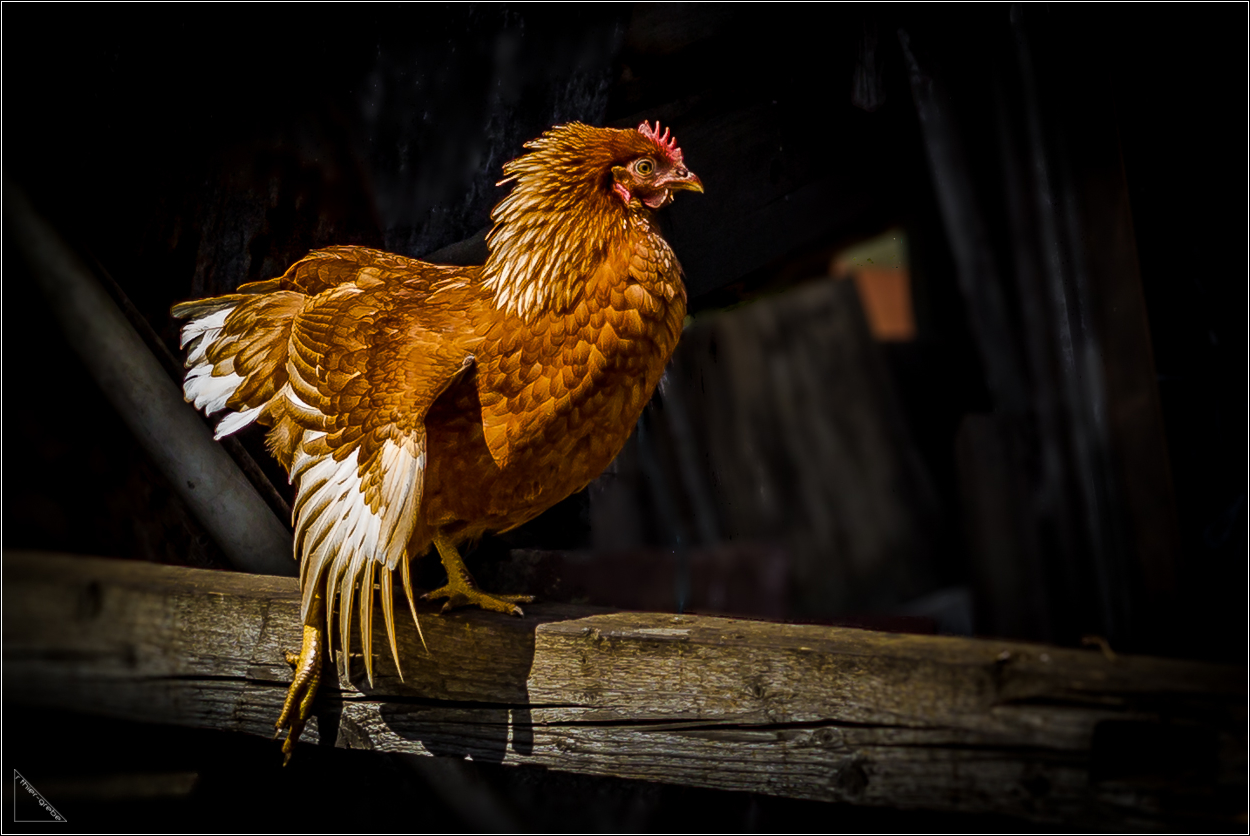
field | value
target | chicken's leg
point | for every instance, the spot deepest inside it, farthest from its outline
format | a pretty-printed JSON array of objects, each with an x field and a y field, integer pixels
[
  {"x": 461, "y": 590},
  {"x": 299, "y": 697}
]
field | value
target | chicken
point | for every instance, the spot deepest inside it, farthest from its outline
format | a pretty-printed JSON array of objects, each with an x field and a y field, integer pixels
[{"x": 415, "y": 404}]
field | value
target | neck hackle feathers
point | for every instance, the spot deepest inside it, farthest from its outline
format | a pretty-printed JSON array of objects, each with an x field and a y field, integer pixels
[{"x": 560, "y": 220}]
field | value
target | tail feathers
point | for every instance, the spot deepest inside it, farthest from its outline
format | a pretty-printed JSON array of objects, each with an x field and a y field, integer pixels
[{"x": 236, "y": 353}]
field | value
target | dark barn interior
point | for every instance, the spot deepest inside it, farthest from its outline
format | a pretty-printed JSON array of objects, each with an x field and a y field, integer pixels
[{"x": 966, "y": 351}]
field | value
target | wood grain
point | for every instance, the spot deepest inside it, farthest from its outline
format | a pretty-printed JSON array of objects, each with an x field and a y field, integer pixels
[{"x": 805, "y": 711}]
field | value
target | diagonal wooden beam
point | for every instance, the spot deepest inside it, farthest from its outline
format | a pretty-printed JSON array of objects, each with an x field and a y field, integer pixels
[{"x": 151, "y": 404}]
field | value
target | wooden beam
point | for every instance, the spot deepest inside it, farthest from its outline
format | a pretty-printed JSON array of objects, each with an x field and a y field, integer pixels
[{"x": 805, "y": 711}]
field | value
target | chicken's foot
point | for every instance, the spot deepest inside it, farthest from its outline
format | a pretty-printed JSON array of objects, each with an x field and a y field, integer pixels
[
  {"x": 297, "y": 707},
  {"x": 462, "y": 591}
]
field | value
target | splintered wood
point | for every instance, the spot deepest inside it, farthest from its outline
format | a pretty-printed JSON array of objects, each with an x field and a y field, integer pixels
[{"x": 805, "y": 711}]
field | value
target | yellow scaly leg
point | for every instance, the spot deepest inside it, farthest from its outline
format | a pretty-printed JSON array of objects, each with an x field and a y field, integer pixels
[
  {"x": 461, "y": 590},
  {"x": 297, "y": 707}
]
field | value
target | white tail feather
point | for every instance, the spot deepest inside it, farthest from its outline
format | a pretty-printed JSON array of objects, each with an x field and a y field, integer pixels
[
  {"x": 202, "y": 387},
  {"x": 209, "y": 391},
  {"x": 341, "y": 539},
  {"x": 202, "y": 325},
  {"x": 236, "y": 421}
]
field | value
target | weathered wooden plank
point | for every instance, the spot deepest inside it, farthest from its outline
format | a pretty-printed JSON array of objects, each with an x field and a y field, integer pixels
[{"x": 804, "y": 711}]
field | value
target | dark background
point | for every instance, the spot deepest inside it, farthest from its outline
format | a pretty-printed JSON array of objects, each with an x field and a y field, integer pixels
[{"x": 190, "y": 149}]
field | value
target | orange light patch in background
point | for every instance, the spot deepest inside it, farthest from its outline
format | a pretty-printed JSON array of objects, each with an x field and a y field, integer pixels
[{"x": 882, "y": 276}]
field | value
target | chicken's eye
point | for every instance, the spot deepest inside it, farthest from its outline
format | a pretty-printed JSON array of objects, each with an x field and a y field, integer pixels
[{"x": 644, "y": 167}]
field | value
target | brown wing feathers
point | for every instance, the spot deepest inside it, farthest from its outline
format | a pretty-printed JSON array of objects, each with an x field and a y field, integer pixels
[
  {"x": 359, "y": 465},
  {"x": 236, "y": 353},
  {"x": 324, "y": 355}
]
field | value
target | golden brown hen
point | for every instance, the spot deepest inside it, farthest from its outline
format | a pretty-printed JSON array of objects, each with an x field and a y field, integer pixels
[{"x": 415, "y": 404}]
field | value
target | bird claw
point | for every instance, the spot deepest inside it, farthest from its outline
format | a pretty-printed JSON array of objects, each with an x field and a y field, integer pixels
[
  {"x": 461, "y": 590},
  {"x": 465, "y": 595},
  {"x": 297, "y": 707}
]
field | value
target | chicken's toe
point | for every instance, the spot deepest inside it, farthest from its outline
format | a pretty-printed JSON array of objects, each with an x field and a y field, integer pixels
[
  {"x": 297, "y": 707},
  {"x": 468, "y": 595}
]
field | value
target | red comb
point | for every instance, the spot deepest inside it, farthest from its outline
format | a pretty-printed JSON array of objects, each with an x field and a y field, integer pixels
[{"x": 669, "y": 144}]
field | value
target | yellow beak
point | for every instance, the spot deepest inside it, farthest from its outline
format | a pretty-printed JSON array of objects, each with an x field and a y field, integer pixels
[{"x": 686, "y": 180}]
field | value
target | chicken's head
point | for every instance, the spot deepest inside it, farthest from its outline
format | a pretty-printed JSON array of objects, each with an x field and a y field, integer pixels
[
  {"x": 577, "y": 194},
  {"x": 655, "y": 172}
]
